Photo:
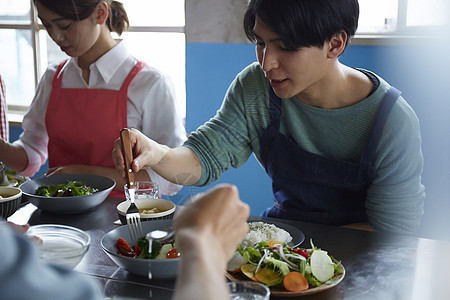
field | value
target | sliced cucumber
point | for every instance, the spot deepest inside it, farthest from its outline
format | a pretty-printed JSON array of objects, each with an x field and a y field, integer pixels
[{"x": 321, "y": 265}]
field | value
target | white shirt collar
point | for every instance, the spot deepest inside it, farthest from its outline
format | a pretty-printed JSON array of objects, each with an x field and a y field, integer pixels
[{"x": 108, "y": 64}]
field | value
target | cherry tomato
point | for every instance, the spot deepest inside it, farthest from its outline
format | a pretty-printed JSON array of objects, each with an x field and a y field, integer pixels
[
  {"x": 173, "y": 253},
  {"x": 124, "y": 248},
  {"x": 137, "y": 250}
]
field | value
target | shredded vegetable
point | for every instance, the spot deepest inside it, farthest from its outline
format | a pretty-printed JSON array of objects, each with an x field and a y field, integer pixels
[{"x": 280, "y": 260}]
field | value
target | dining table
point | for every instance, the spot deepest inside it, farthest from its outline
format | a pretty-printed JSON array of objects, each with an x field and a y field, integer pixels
[{"x": 378, "y": 265}]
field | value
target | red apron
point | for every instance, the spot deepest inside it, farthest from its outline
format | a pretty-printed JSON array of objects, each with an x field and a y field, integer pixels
[{"x": 82, "y": 124}]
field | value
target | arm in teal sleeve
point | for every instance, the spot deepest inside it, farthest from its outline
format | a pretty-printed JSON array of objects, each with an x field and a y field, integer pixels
[
  {"x": 223, "y": 141},
  {"x": 395, "y": 199},
  {"x": 24, "y": 276}
]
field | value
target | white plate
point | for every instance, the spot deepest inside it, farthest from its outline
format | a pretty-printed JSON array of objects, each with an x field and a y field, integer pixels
[{"x": 297, "y": 235}]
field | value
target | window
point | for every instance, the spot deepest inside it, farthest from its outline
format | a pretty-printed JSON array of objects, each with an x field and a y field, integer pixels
[
  {"x": 156, "y": 36},
  {"x": 401, "y": 17}
]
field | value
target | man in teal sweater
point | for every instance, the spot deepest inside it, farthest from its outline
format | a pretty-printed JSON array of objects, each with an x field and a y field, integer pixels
[{"x": 341, "y": 146}]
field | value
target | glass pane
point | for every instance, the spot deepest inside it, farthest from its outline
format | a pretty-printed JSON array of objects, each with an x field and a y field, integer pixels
[
  {"x": 164, "y": 51},
  {"x": 15, "y": 11},
  {"x": 54, "y": 53},
  {"x": 155, "y": 12},
  {"x": 17, "y": 67},
  {"x": 426, "y": 13},
  {"x": 377, "y": 16}
]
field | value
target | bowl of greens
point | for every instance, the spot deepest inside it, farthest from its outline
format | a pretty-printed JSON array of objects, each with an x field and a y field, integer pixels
[
  {"x": 162, "y": 263},
  {"x": 69, "y": 193},
  {"x": 8, "y": 177}
]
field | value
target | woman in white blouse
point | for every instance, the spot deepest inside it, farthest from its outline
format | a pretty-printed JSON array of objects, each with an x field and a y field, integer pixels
[{"x": 82, "y": 103}]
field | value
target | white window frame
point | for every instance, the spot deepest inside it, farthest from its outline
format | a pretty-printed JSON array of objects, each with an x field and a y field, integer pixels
[
  {"x": 402, "y": 35},
  {"x": 16, "y": 112}
]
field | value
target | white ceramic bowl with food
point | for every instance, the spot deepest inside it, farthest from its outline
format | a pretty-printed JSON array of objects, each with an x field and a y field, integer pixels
[
  {"x": 150, "y": 209},
  {"x": 10, "y": 198},
  {"x": 60, "y": 244},
  {"x": 159, "y": 268},
  {"x": 72, "y": 204}
]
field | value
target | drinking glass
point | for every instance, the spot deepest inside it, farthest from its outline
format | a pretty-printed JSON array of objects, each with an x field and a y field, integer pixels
[
  {"x": 248, "y": 290},
  {"x": 143, "y": 189}
]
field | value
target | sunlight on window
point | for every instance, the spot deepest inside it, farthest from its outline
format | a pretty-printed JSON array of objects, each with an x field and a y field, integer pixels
[
  {"x": 155, "y": 12},
  {"x": 377, "y": 16},
  {"x": 430, "y": 12},
  {"x": 14, "y": 8},
  {"x": 16, "y": 67},
  {"x": 165, "y": 52}
]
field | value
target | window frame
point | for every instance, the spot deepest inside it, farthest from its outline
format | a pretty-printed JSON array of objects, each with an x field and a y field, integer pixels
[{"x": 16, "y": 112}]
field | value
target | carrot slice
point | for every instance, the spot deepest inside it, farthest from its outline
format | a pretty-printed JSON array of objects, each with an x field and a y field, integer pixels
[
  {"x": 273, "y": 244},
  {"x": 295, "y": 282}
]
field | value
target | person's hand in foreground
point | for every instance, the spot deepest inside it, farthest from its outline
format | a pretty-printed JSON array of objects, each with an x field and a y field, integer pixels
[{"x": 207, "y": 234}]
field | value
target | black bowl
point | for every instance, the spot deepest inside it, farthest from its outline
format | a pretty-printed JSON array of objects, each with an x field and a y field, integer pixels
[{"x": 68, "y": 205}]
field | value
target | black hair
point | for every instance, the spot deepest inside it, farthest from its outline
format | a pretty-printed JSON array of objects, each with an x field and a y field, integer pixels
[
  {"x": 303, "y": 23},
  {"x": 78, "y": 10}
]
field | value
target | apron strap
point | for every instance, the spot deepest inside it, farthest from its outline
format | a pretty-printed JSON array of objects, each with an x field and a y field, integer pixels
[
  {"x": 133, "y": 73},
  {"x": 274, "y": 109},
  {"x": 384, "y": 109},
  {"x": 126, "y": 83},
  {"x": 57, "y": 79}
]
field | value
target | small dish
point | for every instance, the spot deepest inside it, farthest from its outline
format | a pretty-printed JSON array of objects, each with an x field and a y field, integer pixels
[
  {"x": 165, "y": 209},
  {"x": 61, "y": 245},
  {"x": 10, "y": 200}
]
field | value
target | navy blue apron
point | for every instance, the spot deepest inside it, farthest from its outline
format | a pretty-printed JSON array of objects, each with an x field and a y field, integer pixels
[{"x": 312, "y": 188}]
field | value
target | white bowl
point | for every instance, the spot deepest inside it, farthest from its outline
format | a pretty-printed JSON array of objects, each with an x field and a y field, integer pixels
[
  {"x": 61, "y": 245},
  {"x": 10, "y": 201},
  {"x": 166, "y": 207}
]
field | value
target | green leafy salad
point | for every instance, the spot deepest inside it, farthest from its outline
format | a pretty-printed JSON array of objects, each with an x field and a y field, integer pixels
[
  {"x": 11, "y": 179},
  {"x": 70, "y": 189},
  {"x": 277, "y": 265}
]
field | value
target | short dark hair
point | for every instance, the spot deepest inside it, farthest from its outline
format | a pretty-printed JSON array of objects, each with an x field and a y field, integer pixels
[{"x": 303, "y": 23}]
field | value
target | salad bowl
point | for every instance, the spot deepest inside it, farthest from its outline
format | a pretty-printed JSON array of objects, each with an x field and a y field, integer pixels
[
  {"x": 70, "y": 204},
  {"x": 159, "y": 268}
]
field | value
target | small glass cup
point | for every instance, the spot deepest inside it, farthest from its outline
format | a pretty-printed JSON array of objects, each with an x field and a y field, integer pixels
[
  {"x": 143, "y": 189},
  {"x": 248, "y": 290}
]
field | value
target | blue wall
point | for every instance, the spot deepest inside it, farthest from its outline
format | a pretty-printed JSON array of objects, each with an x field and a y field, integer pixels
[{"x": 211, "y": 68}]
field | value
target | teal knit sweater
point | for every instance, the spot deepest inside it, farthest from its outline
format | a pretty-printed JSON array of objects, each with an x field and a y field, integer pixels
[{"x": 395, "y": 198}]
